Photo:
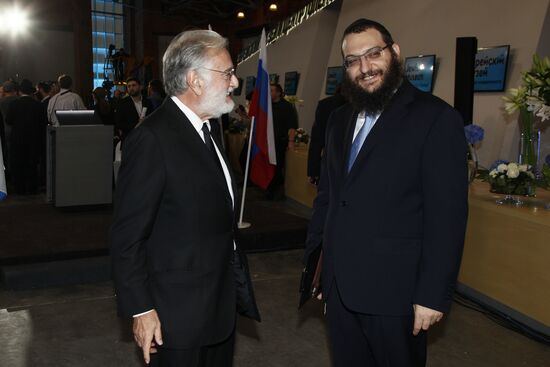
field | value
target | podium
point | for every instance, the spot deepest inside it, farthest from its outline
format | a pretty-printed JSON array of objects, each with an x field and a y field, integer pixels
[{"x": 79, "y": 165}]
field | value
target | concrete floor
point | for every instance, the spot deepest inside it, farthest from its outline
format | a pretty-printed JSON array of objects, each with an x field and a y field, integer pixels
[{"x": 78, "y": 326}]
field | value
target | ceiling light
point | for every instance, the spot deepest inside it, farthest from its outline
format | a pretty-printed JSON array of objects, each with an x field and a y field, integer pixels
[
  {"x": 273, "y": 7},
  {"x": 240, "y": 14},
  {"x": 15, "y": 21}
]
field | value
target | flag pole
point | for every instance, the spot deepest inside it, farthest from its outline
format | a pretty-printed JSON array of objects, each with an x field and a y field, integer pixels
[{"x": 242, "y": 224}]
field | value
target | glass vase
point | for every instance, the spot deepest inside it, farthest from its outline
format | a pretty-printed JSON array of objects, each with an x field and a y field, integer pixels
[
  {"x": 527, "y": 139},
  {"x": 473, "y": 163}
]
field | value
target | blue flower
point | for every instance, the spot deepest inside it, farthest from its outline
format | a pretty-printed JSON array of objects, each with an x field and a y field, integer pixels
[
  {"x": 474, "y": 133},
  {"x": 496, "y": 163}
]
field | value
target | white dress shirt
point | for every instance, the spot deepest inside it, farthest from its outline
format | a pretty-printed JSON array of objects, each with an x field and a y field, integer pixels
[{"x": 62, "y": 101}]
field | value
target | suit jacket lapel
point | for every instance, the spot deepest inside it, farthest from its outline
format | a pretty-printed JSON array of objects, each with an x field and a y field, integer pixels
[
  {"x": 382, "y": 129},
  {"x": 232, "y": 179},
  {"x": 195, "y": 143}
]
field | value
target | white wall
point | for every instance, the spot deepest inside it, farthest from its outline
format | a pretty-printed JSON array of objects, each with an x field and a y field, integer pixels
[
  {"x": 423, "y": 27},
  {"x": 432, "y": 26},
  {"x": 305, "y": 50}
]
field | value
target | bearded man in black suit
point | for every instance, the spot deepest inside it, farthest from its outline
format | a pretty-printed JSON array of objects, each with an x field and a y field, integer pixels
[
  {"x": 391, "y": 208},
  {"x": 177, "y": 265}
]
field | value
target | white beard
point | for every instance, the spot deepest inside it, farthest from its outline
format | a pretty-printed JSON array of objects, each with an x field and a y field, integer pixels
[{"x": 216, "y": 105}]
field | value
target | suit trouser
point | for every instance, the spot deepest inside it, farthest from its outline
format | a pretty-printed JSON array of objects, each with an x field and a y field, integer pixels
[
  {"x": 372, "y": 340},
  {"x": 217, "y": 355}
]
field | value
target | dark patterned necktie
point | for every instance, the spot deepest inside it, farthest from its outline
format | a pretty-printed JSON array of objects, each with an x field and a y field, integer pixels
[{"x": 210, "y": 145}]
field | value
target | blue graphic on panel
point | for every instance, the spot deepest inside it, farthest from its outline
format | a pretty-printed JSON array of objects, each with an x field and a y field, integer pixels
[
  {"x": 490, "y": 69},
  {"x": 419, "y": 70}
]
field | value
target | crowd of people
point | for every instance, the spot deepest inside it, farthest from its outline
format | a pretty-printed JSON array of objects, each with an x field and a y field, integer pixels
[{"x": 26, "y": 109}]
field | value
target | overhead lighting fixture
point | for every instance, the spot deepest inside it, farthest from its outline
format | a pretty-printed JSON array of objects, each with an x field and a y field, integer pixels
[
  {"x": 273, "y": 7},
  {"x": 240, "y": 15},
  {"x": 15, "y": 21}
]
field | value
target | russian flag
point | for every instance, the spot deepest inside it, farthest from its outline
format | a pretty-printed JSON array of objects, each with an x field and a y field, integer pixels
[
  {"x": 262, "y": 153},
  {"x": 3, "y": 190}
]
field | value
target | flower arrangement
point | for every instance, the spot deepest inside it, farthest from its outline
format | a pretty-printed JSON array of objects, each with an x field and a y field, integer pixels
[
  {"x": 531, "y": 98},
  {"x": 474, "y": 133},
  {"x": 294, "y": 100},
  {"x": 534, "y": 94},
  {"x": 301, "y": 136},
  {"x": 512, "y": 179}
]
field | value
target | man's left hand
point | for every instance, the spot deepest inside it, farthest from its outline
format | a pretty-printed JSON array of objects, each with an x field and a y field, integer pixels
[{"x": 425, "y": 317}]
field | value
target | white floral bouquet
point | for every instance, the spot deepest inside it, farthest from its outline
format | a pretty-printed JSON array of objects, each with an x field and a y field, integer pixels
[
  {"x": 301, "y": 136},
  {"x": 512, "y": 179},
  {"x": 294, "y": 100},
  {"x": 534, "y": 94}
]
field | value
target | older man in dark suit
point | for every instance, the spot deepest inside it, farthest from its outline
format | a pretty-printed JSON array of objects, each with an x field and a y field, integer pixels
[
  {"x": 177, "y": 266},
  {"x": 391, "y": 209}
]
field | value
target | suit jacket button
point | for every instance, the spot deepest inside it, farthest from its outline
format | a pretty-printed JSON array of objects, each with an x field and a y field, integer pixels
[{"x": 343, "y": 203}]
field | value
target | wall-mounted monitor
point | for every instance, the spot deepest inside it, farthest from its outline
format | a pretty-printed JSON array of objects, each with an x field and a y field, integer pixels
[
  {"x": 491, "y": 67},
  {"x": 335, "y": 74},
  {"x": 249, "y": 86},
  {"x": 420, "y": 70},
  {"x": 291, "y": 82}
]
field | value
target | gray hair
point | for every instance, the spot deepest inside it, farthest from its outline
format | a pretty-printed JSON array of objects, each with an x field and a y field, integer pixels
[{"x": 187, "y": 51}]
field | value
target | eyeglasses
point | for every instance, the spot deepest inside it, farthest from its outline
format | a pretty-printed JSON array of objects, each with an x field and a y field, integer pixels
[
  {"x": 371, "y": 54},
  {"x": 227, "y": 74}
]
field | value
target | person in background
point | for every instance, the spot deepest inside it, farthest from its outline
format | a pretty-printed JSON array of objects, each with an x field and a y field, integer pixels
[
  {"x": 43, "y": 90},
  {"x": 155, "y": 93},
  {"x": 285, "y": 119},
  {"x": 10, "y": 94},
  {"x": 101, "y": 106},
  {"x": 392, "y": 233},
  {"x": 65, "y": 99},
  {"x": 27, "y": 120},
  {"x": 54, "y": 88},
  {"x": 43, "y": 95},
  {"x": 317, "y": 141},
  {"x": 132, "y": 109}
]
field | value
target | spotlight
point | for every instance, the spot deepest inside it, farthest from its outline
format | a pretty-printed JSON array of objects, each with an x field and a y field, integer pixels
[
  {"x": 240, "y": 15},
  {"x": 273, "y": 7},
  {"x": 14, "y": 21}
]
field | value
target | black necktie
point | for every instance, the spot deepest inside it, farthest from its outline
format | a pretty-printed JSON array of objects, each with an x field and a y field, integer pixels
[{"x": 210, "y": 145}]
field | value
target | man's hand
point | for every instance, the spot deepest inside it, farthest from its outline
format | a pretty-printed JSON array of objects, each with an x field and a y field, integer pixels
[
  {"x": 147, "y": 333},
  {"x": 425, "y": 317}
]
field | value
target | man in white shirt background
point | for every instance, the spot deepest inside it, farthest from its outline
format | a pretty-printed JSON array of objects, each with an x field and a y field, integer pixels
[{"x": 65, "y": 99}]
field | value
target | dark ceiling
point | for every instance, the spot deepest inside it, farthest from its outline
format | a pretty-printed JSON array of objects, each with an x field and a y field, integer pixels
[{"x": 201, "y": 12}]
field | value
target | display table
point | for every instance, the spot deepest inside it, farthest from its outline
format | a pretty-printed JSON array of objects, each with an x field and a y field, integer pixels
[
  {"x": 297, "y": 186},
  {"x": 80, "y": 165},
  {"x": 506, "y": 260}
]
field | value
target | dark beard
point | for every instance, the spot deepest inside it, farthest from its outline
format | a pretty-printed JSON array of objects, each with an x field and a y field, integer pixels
[{"x": 374, "y": 102}]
